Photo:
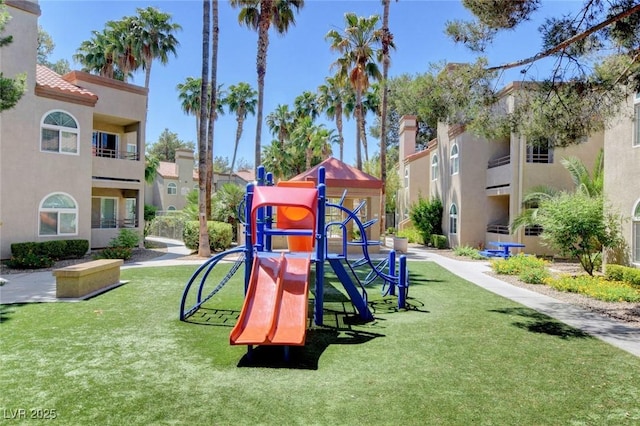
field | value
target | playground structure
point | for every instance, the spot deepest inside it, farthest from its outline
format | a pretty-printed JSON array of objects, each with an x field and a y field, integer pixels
[{"x": 276, "y": 283}]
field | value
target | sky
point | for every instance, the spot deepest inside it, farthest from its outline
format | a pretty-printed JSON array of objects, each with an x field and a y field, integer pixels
[{"x": 298, "y": 61}]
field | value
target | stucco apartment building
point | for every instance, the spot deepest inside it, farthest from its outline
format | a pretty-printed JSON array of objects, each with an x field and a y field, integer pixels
[
  {"x": 481, "y": 182},
  {"x": 175, "y": 180},
  {"x": 622, "y": 174},
  {"x": 71, "y": 163}
]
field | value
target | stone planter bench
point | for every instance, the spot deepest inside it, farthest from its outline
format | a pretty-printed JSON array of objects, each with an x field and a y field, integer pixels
[{"x": 83, "y": 279}]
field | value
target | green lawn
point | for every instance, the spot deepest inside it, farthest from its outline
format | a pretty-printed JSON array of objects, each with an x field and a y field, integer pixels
[{"x": 458, "y": 356}]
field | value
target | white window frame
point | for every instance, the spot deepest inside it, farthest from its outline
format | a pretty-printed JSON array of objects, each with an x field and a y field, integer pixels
[
  {"x": 454, "y": 158},
  {"x": 61, "y": 131},
  {"x": 102, "y": 151},
  {"x": 170, "y": 186},
  {"x": 406, "y": 176},
  {"x": 635, "y": 234},
  {"x": 434, "y": 167},
  {"x": 453, "y": 219},
  {"x": 59, "y": 211}
]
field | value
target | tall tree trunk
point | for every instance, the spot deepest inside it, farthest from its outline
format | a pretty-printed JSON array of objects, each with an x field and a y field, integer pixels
[
  {"x": 203, "y": 239},
  {"x": 340, "y": 133},
  {"x": 386, "y": 41},
  {"x": 363, "y": 134},
  {"x": 238, "y": 136},
  {"x": 358, "y": 134},
  {"x": 214, "y": 101},
  {"x": 266, "y": 8}
]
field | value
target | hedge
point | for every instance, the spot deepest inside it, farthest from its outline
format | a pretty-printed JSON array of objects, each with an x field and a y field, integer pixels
[
  {"x": 220, "y": 235},
  {"x": 55, "y": 249},
  {"x": 623, "y": 273}
]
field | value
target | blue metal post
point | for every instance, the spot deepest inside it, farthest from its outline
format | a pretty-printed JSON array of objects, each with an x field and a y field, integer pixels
[
  {"x": 269, "y": 217},
  {"x": 392, "y": 272},
  {"x": 259, "y": 237},
  {"x": 320, "y": 249},
  {"x": 403, "y": 284},
  {"x": 248, "y": 236}
]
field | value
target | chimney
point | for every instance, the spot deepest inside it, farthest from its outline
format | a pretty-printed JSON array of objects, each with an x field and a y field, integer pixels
[{"x": 408, "y": 130}]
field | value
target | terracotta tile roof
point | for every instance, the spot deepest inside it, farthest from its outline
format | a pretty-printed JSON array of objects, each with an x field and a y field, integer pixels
[
  {"x": 168, "y": 170},
  {"x": 49, "y": 79},
  {"x": 339, "y": 174},
  {"x": 246, "y": 175}
]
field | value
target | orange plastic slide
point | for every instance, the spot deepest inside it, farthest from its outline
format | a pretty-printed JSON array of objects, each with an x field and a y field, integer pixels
[{"x": 276, "y": 305}]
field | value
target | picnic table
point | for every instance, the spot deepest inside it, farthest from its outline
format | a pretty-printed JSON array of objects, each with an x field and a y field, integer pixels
[{"x": 504, "y": 249}]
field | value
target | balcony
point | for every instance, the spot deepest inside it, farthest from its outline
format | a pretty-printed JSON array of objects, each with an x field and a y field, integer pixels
[
  {"x": 114, "y": 224},
  {"x": 112, "y": 153},
  {"x": 498, "y": 229},
  {"x": 499, "y": 173}
]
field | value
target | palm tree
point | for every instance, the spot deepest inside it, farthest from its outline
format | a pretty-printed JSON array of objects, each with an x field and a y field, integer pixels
[
  {"x": 214, "y": 103},
  {"x": 306, "y": 105},
  {"x": 360, "y": 46},
  {"x": 387, "y": 43},
  {"x": 260, "y": 15},
  {"x": 370, "y": 103},
  {"x": 280, "y": 121},
  {"x": 331, "y": 99},
  {"x": 122, "y": 40},
  {"x": 151, "y": 164},
  {"x": 241, "y": 100},
  {"x": 189, "y": 96},
  {"x": 203, "y": 239},
  {"x": 154, "y": 37},
  {"x": 95, "y": 56}
]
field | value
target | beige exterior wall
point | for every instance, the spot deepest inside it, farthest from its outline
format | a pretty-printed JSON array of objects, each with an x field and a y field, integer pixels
[
  {"x": 622, "y": 176},
  {"x": 492, "y": 178},
  {"x": 28, "y": 174}
]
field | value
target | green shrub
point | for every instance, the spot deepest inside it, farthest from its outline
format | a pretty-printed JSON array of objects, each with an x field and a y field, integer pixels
[
  {"x": 22, "y": 249},
  {"x": 534, "y": 275},
  {"x": 77, "y": 248},
  {"x": 412, "y": 235},
  {"x": 596, "y": 287},
  {"x": 391, "y": 230},
  {"x": 220, "y": 235},
  {"x": 466, "y": 251},
  {"x": 614, "y": 272},
  {"x": 426, "y": 216},
  {"x": 515, "y": 265},
  {"x": 632, "y": 276},
  {"x": 168, "y": 226},
  {"x": 55, "y": 249},
  {"x": 30, "y": 261},
  {"x": 126, "y": 238},
  {"x": 123, "y": 253},
  {"x": 439, "y": 241}
]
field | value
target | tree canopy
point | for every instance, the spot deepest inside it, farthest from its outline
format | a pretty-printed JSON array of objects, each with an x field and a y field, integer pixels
[
  {"x": 597, "y": 65},
  {"x": 164, "y": 149}
]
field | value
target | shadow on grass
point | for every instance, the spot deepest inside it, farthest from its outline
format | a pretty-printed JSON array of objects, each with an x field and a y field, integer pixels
[
  {"x": 7, "y": 309},
  {"x": 389, "y": 305},
  {"x": 541, "y": 323},
  {"x": 337, "y": 330},
  {"x": 215, "y": 317}
]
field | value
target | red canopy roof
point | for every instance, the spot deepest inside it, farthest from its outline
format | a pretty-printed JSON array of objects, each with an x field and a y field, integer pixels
[{"x": 339, "y": 174}]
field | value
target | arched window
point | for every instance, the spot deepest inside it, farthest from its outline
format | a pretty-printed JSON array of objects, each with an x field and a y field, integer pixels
[
  {"x": 172, "y": 189},
  {"x": 58, "y": 215},
  {"x": 406, "y": 177},
  {"x": 455, "y": 159},
  {"x": 636, "y": 233},
  {"x": 434, "y": 167},
  {"x": 636, "y": 111},
  {"x": 453, "y": 219},
  {"x": 171, "y": 208},
  {"x": 59, "y": 133}
]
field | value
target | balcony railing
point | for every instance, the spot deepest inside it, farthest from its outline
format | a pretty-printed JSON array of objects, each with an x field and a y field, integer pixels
[
  {"x": 498, "y": 229},
  {"x": 112, "y": 153},
  {"x": 114, "y": 224},
  {"x": 501, "y": 161}
]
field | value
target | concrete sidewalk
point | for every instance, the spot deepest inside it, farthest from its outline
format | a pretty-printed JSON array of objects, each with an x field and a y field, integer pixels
[{"x": 40, "y": 287}]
